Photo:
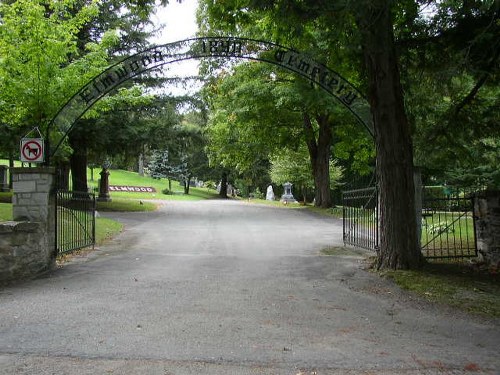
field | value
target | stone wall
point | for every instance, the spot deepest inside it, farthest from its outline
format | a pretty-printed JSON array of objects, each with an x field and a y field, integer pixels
[
  {"x": 27, "y": 244},
  {"x": 23, "y": 250},
  {"x": 487, "y": 213}
]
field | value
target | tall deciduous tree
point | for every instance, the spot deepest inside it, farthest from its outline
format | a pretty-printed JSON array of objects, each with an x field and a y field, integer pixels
[
  {"x": 398, "y": 241},
  {"x": 367, "y": 27},
  {"x": 290, "y": 165},
  {"x": 37, "y": 45}
]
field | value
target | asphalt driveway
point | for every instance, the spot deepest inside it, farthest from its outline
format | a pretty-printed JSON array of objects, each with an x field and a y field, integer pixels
[{"x": 227, "y": 287}]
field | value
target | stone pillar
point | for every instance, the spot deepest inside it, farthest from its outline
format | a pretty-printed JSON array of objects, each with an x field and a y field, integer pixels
[
  {"x": 104, "y": 186},
  {"x": 4, "y": 183},
  {"x": 487, "y": 214},
  {"x": 33, "y": 201},
  {"x": 32, "y": 188}
]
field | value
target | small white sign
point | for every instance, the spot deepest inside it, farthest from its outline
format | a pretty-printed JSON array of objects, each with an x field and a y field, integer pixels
[{"x": 32, "y": 150}]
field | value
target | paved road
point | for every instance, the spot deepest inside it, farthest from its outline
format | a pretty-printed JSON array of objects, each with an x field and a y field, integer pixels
[{"x": 225, "y": 287}]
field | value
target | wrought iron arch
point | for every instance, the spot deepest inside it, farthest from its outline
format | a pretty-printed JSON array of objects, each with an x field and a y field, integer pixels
[{"x": 214, "y": 47}]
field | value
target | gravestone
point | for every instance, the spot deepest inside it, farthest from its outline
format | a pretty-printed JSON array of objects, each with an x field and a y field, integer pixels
[
  {"x": 287, "y": 196},
  {"x": 104, "y": 186},
  {"x": 270, "y": 193}
]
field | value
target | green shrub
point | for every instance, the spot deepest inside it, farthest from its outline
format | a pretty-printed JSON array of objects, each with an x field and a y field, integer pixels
[{"x": 167, "y": 191}]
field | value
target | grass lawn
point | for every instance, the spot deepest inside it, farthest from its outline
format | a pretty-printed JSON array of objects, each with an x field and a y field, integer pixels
[
  {"x": 126, "y": 205},
  {"x": 455, "y": 285},
  {"x": 121, "y": 177},
  {"x": 106, "y": 229}
]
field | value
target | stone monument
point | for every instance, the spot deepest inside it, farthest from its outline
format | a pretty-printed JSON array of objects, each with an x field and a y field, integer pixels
[
  {"x": 104, "y": 183},
  {"x": 287, "y": 196}
]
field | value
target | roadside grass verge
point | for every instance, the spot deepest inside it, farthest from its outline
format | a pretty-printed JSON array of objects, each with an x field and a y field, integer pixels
[
  {"x": 275, "y": 203},
  {"x": 335, "y": 212},
  {"x": 126, "y": 205},
  {"x": 455, "y": 285},
  {"x": 106, "y": 229},
  {"x": 341, "y": 251}
]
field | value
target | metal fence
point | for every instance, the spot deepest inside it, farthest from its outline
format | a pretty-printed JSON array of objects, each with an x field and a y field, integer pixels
[
  {"x": 361, "y": 218},
  {"x": 448, "y": 226},
  {"x": 75, "y": 220}
]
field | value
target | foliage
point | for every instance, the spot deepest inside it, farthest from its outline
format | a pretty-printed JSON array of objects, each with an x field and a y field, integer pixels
[
  {"x": 294, "y": 166},
  {"x": 257, "y": 194},
  {"x": 450, "y": 60},
  {"x": 160, "y": 166},
  {"x": 37, "y": 38},
  {"x": 41, "y": 64}
]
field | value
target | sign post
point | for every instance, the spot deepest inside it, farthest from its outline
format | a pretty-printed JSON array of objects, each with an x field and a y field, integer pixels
[{"x": 32, "y": 150}]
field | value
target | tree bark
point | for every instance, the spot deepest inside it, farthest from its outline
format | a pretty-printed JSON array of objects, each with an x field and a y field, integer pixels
[
  {"x": 78, "y": 163},
  {"x": 223, "y": 185},
  {"x": 140, "y": 164},
  {"x": 62, "y": 179},
  {"x": 398, "y": 233},
  {"x": 319, "y": 155}
]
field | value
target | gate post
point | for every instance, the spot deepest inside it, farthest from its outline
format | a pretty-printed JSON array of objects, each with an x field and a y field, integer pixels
[
  {"x": 417, "y": 180},
  {"x": 33, "y": 201},
  {"x": 487, "y": 227}
]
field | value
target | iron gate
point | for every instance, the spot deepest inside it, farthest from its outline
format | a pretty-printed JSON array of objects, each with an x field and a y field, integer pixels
[
  {"x": 448, "y": 225},
  {"x": 360, "y": 213},
  {"x": 75, "y": 220}
]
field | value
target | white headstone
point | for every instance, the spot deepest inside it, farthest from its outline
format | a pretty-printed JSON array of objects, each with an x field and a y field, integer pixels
[{"x": 270, "y": 193}]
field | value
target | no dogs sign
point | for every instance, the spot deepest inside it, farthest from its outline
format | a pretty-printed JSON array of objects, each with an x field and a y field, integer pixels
[{"x": 32, "y": 150}]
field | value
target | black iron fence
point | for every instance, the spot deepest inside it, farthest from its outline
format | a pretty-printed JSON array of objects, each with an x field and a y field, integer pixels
[
  {"x": 75, "y": 220},
  {"x": 448, "y": 227},
  {"x": 361, "y": 218}
]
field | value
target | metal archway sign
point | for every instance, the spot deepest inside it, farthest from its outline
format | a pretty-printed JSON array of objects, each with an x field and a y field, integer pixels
[{"x": 211, "y": 47}]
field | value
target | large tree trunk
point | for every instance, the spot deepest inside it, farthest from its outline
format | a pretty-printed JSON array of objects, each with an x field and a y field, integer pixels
[
  {"x": 398, "y": 236},
  {"x": 140, "y": 164},
  {"x": 223, "y": 185},
  {"x": 319, "y": 155},
  {"x": 78, "y": 162},
  {"x": 62, "y": 178}
]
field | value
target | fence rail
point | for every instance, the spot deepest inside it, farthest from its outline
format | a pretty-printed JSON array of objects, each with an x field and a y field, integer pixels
[
  {"x": 448, "y": 228},
  {"x": 360, "y": 212},
  {"x": 75, "y": 220}
]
